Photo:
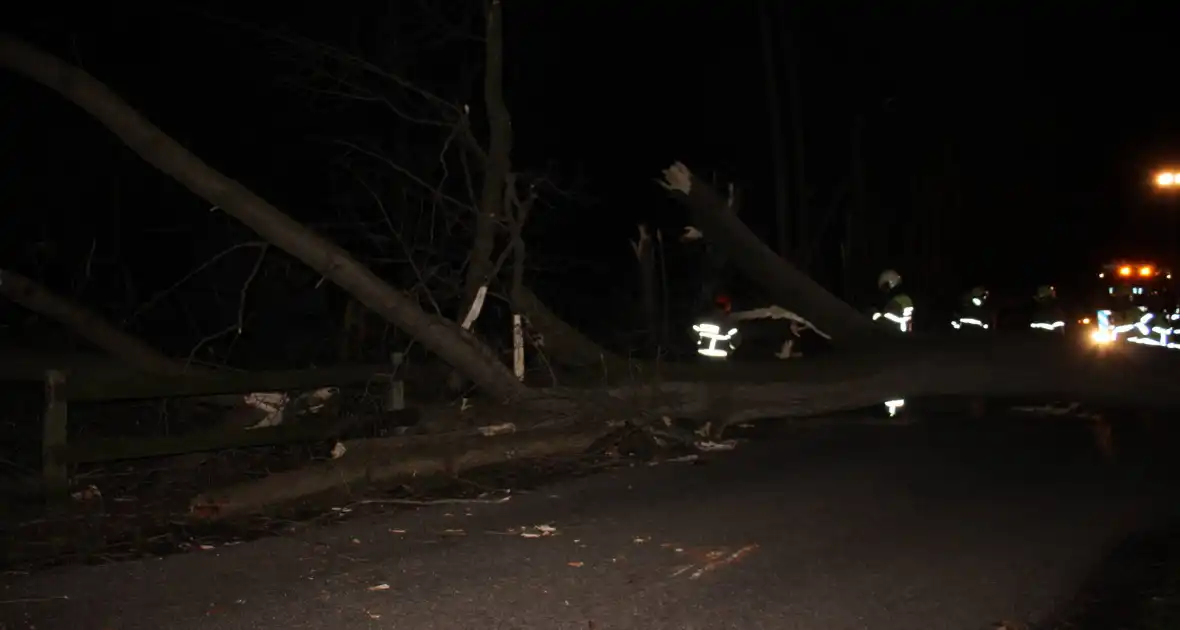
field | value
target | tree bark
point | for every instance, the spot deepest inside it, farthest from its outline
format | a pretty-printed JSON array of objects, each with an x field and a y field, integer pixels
[
  {"x": 383, "y": 460},
  {"x": 785, "y": 284},
  {"x": 440, "y": 336},
  {"x": 645, "y": 256},
  {"x": 498, "y": 163}
]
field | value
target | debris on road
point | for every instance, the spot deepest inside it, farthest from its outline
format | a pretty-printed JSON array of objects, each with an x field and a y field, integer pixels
[
  {"x": 89, "y": 493},
  {"x": 538, "y": 531},
  {"x": 710, "y": 446},
  {"x": 492, "y": 430},
  {"x": 712, "y": 559}
]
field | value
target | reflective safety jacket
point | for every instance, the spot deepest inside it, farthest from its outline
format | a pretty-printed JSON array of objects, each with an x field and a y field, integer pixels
[
  {"x": 717, "y": 335},
  {"x": 898, "y": 312},
  {"x": 1138, "y": 325},
  {"x": 972, "y": 316},
  {"x": 1048, "y": 316}
]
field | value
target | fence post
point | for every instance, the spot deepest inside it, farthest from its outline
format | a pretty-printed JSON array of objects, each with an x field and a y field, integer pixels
[
  {"x": 53, "y": 441},
  {"x": 397, "y": 387}
]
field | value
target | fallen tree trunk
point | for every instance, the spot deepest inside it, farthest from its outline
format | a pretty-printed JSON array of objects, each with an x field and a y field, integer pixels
[
  {"x": 368, "y": 461},
  {"x": 1020, "y": 365},
  {"x": 784, "y": 283},
  {"x": 567, "y": 420},
  {"x": 437, "y": 334}
]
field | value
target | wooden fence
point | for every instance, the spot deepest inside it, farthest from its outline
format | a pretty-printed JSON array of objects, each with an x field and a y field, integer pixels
[{"x": 63, "y": 388}]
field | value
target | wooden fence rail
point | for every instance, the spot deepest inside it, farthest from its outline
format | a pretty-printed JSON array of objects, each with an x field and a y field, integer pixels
[{"x": 63, "y": 388}]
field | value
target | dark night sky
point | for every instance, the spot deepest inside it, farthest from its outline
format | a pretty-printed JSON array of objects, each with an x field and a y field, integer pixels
[{"x": 1054, "y": 118}]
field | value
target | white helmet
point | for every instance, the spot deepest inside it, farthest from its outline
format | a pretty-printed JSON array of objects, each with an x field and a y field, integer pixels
[{"x": 888, "y": 280}]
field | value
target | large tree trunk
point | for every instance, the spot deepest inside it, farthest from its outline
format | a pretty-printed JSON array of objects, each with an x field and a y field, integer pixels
[
  {"x": 565, "y": 420},
  {"x": 783, "y": 282},
  {"x": 498, "y": 163},
  {"x": 645, "y": 257},
  {"x": 440, "y": 336}
]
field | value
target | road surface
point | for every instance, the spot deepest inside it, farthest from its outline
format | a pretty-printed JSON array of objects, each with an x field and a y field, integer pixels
[{"x": 936, "y": 525}]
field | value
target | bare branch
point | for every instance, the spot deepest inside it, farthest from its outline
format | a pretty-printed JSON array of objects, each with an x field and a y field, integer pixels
[
  {"x": 203, "y": 266},
  {"x": 351, "y": 60},
  {"x": 237, "y": 326},
  {"x": 397, "y": 235},
  {"x": 405, "y": 172}
]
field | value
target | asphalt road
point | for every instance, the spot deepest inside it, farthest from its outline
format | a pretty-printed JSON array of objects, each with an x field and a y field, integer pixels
[{"x": 936, "y": 525}]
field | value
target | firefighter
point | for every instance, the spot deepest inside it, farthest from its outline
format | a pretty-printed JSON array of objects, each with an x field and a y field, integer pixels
[
  {"x": 973, "y": 315},
  {"x": 898, "y": 309},
  {"x": 1123, "y": 316},
  {"x": 1047, "y": 314},
  {"x": 1132, "y": 322},
  {"x": 716, "y": 331}
]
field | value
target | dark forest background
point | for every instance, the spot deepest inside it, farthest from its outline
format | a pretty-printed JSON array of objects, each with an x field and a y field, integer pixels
[{"x": 998, "y": 143}]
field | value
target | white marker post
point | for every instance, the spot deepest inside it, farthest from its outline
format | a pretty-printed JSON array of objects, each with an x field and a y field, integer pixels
[{"x": 518, "y": 347}]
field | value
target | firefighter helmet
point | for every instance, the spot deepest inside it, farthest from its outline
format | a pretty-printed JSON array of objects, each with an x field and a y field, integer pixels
[
  {"x": 1046, "y": 292},
  {"x": 888, "y": 280},
  {"x": 977, "y": 296},
  {"x": 723, "y": 302}
]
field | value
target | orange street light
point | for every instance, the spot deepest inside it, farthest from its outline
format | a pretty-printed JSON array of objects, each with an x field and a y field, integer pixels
[{"x": 1167, "y": 179}]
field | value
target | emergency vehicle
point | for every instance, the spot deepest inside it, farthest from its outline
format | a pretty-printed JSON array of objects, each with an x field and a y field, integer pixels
[{"x": 1134, "y": 303}]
